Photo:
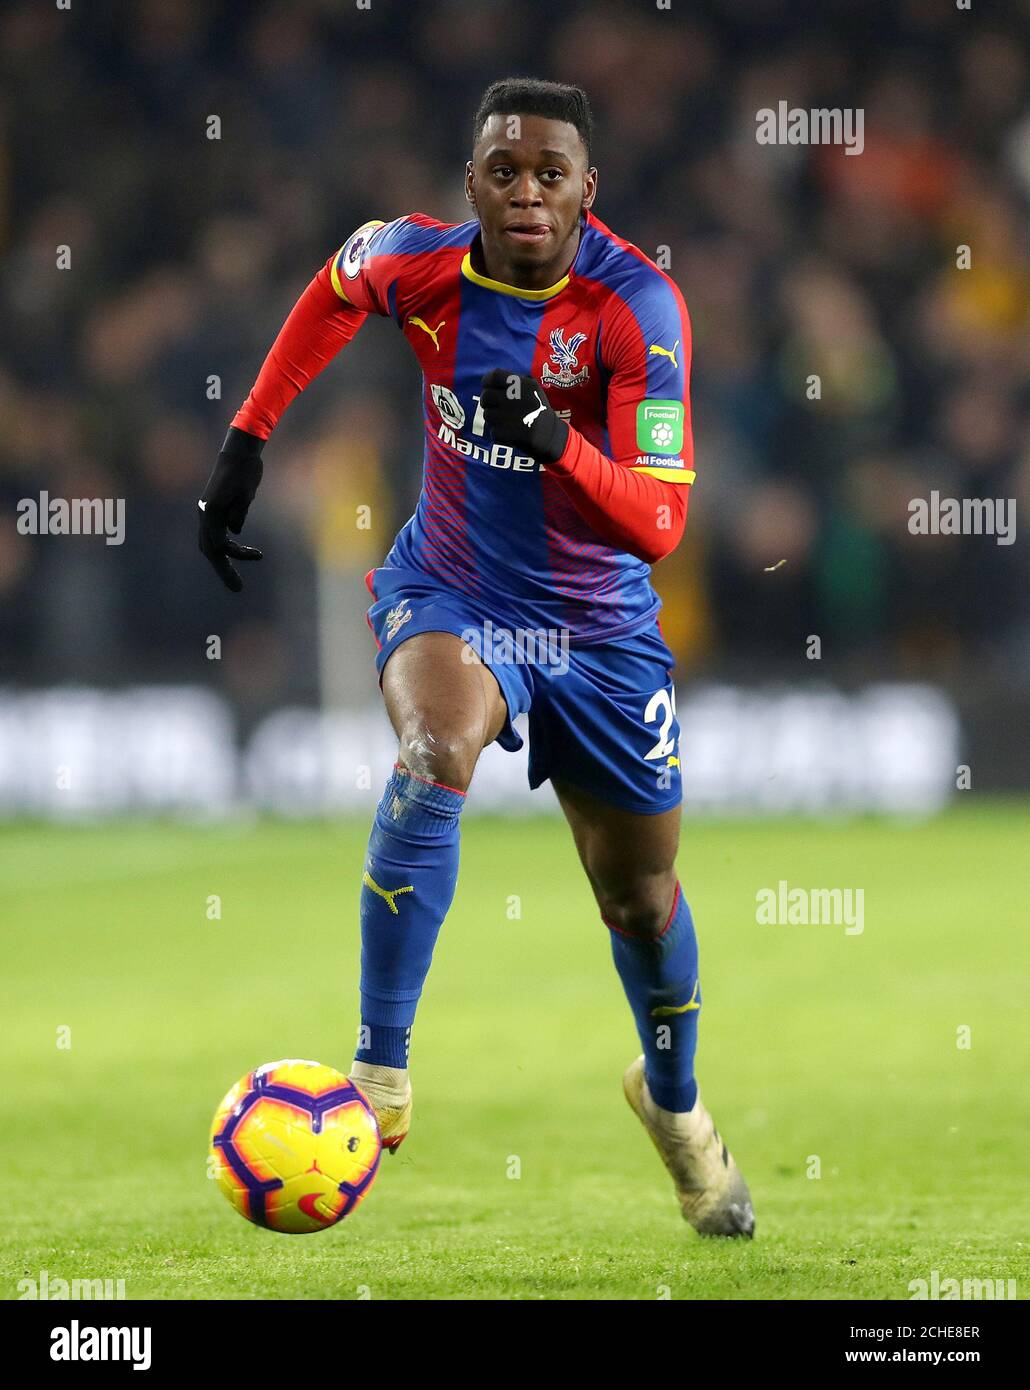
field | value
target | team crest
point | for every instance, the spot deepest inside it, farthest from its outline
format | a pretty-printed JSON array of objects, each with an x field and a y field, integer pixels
[
  {"x": 563, "y": 355},
  {"x": 396, "y": 618}
]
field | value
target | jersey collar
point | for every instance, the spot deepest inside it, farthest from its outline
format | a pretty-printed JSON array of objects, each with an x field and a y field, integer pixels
[{"x": 535, "y": 296}]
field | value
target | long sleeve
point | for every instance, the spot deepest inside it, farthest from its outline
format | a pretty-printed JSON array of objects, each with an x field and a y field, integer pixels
[
  {"x": 636, "y": 498},
  {"x": 352, "y": 284},
  {"x": 318, "y": 326},
  {"x": 628, "y": 509}
]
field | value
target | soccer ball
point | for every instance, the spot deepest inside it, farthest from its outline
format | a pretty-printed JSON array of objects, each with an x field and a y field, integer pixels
[{"x": 295, "y": 1146}]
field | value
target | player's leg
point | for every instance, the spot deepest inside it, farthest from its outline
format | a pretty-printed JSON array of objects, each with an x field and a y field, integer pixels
[
  {"x": 629, "y": 859},
  {"x": 445, "y": 707}
]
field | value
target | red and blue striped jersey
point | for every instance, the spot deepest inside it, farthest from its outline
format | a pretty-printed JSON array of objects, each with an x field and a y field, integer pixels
[{"x": 609, "y": 343}]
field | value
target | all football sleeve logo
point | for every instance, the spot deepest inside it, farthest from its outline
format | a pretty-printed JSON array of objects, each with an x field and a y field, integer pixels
[{"x": 660, "y": 427}]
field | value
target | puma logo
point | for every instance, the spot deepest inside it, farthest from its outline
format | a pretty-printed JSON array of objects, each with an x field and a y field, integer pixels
[
  {"x": 658, "y": 351},
  {"x": 421, "y": 323},
  {"x": 528, "y": 419},
  {"x": 387, "y": 894},
  {"x": 665, "y": 1010}
]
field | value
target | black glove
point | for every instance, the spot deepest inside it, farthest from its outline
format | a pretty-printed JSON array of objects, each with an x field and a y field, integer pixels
[
  {"x": 518, "y": 413},
  {"x": 223, "y": 506}
]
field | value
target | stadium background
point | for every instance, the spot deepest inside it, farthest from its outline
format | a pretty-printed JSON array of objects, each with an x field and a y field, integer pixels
[{"x": 186, "y": 254}]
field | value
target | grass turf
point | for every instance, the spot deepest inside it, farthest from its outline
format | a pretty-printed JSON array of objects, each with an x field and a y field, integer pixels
[{"x": 813, "y": 1044}]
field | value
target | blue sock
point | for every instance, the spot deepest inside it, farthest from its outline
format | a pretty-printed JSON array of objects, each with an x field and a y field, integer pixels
[
  {"x": 410, "y": 873},
  {"x": 660, "y": 976}
]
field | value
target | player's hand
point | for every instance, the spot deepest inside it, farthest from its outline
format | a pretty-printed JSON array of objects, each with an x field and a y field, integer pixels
[
  {"x": 224, "y": 503},
  {"x": 518, "y": 413}
]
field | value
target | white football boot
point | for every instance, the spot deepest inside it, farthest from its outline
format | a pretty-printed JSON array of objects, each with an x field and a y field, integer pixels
[
  {"x": 388, "y": 1091},
  {"x": 711, "y": 1191}
]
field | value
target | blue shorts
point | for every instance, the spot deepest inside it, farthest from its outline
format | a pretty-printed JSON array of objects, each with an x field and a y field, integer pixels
[{"x": 602, "y": 717}]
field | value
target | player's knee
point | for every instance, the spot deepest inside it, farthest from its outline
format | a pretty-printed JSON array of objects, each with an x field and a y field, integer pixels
[
  {"x": 639, "y": 906},
  {"x": 440, "y": 753}
]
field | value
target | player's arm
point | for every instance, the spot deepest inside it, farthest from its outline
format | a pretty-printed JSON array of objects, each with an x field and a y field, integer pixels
[
  {"x": 636, "y": 500},
  {"x": 326, "y": 317}
]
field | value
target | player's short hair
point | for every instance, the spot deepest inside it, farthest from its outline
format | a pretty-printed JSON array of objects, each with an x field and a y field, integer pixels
[{"x": 532, "y": 96}]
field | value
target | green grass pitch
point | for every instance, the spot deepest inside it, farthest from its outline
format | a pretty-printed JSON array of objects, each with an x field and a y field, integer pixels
[{"x": 812, "y": 1043}]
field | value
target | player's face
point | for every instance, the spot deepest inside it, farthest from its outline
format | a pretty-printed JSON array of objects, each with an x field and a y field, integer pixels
[{"x": 528, "y": 181}]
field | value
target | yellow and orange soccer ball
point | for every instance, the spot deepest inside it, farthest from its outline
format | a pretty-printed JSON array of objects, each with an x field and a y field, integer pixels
[{"x": 295, "y": 1146}]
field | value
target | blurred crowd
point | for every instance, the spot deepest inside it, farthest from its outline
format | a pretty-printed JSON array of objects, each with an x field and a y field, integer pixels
[{"x": 120, "y": 370}]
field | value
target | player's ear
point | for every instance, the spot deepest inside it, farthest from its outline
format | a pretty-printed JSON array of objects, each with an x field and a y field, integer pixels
[
  {"x": 470, "y": 184},
  {"x": 589, "y": 187}
]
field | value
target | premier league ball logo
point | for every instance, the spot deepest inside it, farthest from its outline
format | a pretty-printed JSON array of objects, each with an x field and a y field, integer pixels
[{"x": 354, "y": 250}]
